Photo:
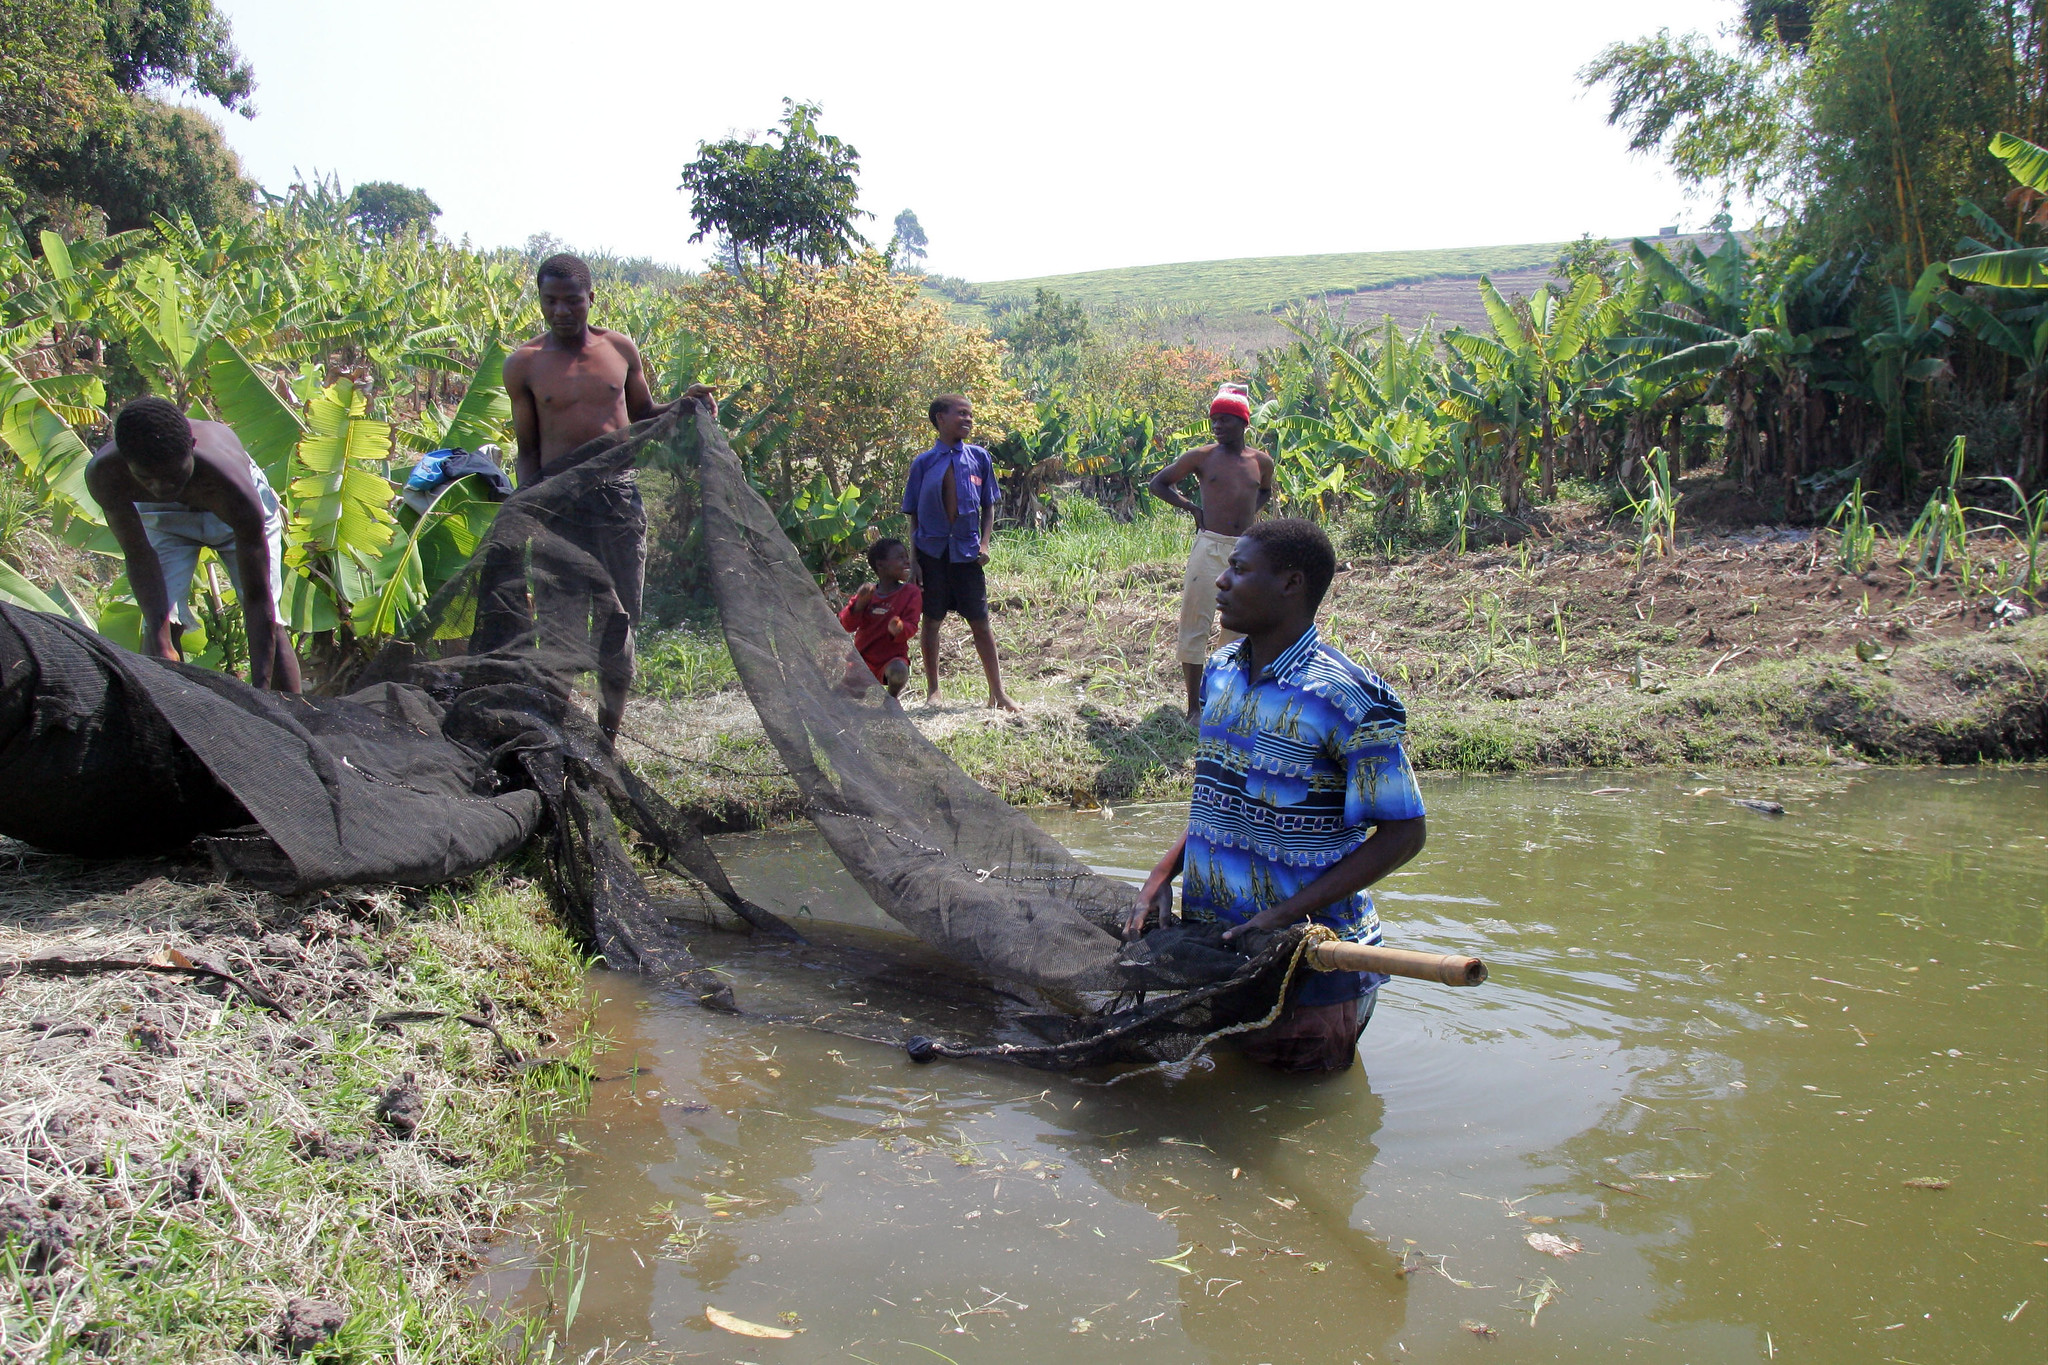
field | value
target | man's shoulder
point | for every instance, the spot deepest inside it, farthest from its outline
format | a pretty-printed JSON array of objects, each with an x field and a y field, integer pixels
[
  {"x": 1361, "y": 694},
  {"x": 618, "y": 341}
]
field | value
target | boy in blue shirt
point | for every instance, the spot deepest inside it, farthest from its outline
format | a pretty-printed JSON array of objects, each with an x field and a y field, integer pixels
[
  {"x": 1303, "y": 794},
  {"x": 950, "y": 498}
]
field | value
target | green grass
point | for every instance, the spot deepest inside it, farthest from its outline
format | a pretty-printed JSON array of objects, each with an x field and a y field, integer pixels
[
  {"x": 1089, "y": 546},
  {"x": 380, "y": 1227},
  {"x": 1264, "y": 284}
]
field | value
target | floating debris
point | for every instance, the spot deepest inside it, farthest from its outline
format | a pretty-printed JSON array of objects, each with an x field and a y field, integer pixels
[
  {"x": 1927, "y": 1182},
  {"x": 740, "y": 1327},
  {"x": 1479, "y": 1329},
  {"x": 1766, "y": 807},
  {"x": 1550, "y": 1244}
]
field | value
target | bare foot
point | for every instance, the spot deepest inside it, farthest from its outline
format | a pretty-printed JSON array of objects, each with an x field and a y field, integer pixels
[
  {"x": 1001, "y": 702},
  {"x": 932, "y": 697}
]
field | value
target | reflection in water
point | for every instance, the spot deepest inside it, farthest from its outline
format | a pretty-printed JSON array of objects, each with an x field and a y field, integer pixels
[{"x": 1715, "y": 1050}]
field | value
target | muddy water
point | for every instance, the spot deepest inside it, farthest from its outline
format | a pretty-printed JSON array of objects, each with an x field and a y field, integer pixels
[{"x": 1717, "y": 1047}]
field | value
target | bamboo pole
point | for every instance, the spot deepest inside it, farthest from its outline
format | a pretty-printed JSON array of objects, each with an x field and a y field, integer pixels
[{"x": 1451, "y": 969}]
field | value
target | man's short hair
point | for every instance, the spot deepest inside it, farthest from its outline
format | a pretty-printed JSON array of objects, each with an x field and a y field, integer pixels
[
  {"x": 563, "y": 266},
  {"x": 944, "y": 404},
  {"x": 152, "y": 432},
  {"x": 881, "y": 550},
  {"x": 1291, "y": 543}
]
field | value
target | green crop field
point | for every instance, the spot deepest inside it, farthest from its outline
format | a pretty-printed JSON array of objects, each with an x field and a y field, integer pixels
[{"x": 1263, "y": 284}]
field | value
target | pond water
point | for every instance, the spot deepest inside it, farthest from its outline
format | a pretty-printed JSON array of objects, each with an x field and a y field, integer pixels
[{"x": 1718, "y": 1049}]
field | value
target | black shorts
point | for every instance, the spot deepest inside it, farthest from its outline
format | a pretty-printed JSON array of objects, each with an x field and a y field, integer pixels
[{"x": 955, "y": 587}]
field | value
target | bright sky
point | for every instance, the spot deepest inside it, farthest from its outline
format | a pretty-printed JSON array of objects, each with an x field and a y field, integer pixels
[{"x": 1031, "y": 139}]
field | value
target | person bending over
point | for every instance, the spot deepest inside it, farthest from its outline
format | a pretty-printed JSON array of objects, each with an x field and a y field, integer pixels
[
  {"x": 569, "y": 385},
  {"x": 1236, "y": 484},
  {"x": 171, "y": 487},
  {"x": 1303, "y": 794},
  {"x": 950, "y": 498},
  {"x": 883, "y": 614}
]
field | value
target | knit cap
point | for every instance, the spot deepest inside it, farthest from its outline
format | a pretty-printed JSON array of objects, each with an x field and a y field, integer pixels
[{"x": 1234, "y": 399}]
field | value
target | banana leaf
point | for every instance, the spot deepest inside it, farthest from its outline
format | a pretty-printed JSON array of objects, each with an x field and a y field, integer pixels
[
  {"x": 2026, "y": 268},
  {"x": 269, "y": 430},
  {"x": 20, "y": 592},
  {"x": 45, "y": 444},
  {"x": 2028, "y": 163},
  {"x": 486, "y": 408}
]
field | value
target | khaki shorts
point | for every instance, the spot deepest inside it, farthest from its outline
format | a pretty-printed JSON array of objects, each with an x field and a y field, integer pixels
[
  {"x": 1206, "y": 560},
  {"x": 177, "y": 533}
]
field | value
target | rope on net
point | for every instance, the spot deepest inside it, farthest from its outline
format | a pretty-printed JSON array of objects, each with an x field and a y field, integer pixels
[{"x": 924, "y": 1049}]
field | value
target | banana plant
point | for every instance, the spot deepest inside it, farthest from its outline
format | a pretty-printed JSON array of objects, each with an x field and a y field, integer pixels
[
  {"x": 340, "y": 526},
  {"x": 427, "y": 551},
  {"x": 2016, "y": 267}
]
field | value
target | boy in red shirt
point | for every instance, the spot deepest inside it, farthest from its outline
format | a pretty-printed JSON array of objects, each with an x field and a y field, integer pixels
[{"x": 883, "y": 621}]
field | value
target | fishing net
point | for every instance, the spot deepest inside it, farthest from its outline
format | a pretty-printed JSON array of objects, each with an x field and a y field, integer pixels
[{"x": 465, "y": 739}]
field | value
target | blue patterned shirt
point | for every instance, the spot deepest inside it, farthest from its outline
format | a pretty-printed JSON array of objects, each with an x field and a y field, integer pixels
[{"x": 1293, "y": 771}]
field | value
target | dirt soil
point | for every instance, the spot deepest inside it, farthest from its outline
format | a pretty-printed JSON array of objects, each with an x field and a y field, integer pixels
[
  {"x": 1747, "y": 646},
  {"x": 226, "y": 1155}
]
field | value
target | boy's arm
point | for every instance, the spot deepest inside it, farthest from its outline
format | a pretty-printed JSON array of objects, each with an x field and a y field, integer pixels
[
  {"x": 525, "y": 419},
  {"x": 1165, "y": 484},
  {"x": 911, "y": 483},
  {"x": 909, "y": 602},
  {"x": 1265, "y": 480},
  {"x": 1156, "y": 896},
  {"x": 990, "y": 496}
]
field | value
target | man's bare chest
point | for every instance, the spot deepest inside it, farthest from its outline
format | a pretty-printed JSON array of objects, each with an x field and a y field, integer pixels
[
  {"x": 569, "y": 384},
  {"x": 1228, "y": 474}
]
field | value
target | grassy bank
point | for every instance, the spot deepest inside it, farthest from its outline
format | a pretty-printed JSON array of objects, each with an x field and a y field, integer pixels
[
  {"x": 197, "y": 1170},
  {"x": 1746, "y": 647}
]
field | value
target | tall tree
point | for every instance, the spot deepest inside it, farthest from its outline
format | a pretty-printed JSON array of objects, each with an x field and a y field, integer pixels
[
  {"x": 382, "y": 207},
  {"x": 794, "y": 192},
  {"x": 1864, "y": 121},
  {"x": 80, "y": 126},
  {"x": 911, "y": 243}
]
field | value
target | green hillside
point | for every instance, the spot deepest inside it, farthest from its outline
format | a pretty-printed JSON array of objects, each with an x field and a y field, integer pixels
[{"x": 1261, "y": 284}]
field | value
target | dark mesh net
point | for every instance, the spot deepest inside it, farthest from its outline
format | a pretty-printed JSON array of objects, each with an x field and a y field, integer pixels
[{"x": 464, "y": 740}]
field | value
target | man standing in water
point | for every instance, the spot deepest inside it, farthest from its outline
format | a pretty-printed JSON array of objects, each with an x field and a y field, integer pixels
[
  {"x": 569, "y": 385},
  {"x": 1303, "y": 794},
  {"x": 171, "y": 487},
  {"x": 1236, "y": 484},
  {"x": 950, "y": 497}
]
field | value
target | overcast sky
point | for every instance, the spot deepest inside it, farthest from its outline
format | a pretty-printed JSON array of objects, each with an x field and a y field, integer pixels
[{"x": 1031, "y": 139}]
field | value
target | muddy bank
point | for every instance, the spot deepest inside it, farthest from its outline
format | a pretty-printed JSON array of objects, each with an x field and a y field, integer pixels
[
  {"x": 223, "y": 1154},
  {"x": 1746, "y": 647}
]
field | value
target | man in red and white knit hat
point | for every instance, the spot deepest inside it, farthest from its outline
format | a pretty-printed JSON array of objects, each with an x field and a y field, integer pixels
[{"x": 1235, "y": 485}]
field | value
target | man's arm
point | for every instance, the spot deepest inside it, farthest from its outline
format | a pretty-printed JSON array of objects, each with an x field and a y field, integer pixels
[
  {"x": 259, "y": 608},
  {"x": 145, "y": 570},
  {"x": 1393, "y": 843},
  {"x": 525, "y": 419},
  {"x": 639, "y": 402},
  {"x": 1165, "y": 485},
  {"x": 1265, "y": 481},
  {"x": 1156, "y": 896}
]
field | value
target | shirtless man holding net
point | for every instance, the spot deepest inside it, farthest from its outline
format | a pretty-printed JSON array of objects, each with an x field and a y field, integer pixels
[
  {"x": 569, "y": 385},
  {"x": 1236, "y": 484}
]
